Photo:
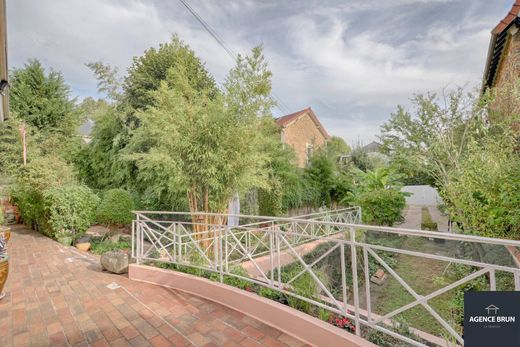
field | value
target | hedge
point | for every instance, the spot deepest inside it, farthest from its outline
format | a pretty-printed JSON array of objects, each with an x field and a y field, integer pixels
[
  {"x": 70, "y": 209},
  {"x": 115, "y": 208},
  {"x": 381, "y": 206},
  {"x": 50, "y": 200}
]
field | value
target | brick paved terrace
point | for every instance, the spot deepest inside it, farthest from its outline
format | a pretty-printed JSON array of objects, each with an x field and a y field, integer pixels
[{"x": 57, "y": 296}]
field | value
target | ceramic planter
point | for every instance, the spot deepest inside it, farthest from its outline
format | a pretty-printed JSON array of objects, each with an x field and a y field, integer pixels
[
  {"x": 4, "y": 270},
  {"x": 6, "y": 232}
]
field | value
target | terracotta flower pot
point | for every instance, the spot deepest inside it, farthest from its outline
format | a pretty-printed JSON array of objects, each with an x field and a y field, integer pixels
[{"x": 4, "y": 270}]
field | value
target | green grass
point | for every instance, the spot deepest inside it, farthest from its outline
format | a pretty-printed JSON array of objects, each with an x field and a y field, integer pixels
[
  {"x": 99, "y": 246},
  {"x": 420, "y": 274},
  {"x": 427, "y": 222}
]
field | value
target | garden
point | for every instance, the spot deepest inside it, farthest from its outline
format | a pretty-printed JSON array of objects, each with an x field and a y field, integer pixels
[
  {"x": 167, "y": 137},
  {"x": 64, "y": 185}
]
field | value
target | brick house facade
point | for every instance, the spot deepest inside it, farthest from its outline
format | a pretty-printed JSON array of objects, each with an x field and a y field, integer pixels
[{"x": 304, "y": 133}]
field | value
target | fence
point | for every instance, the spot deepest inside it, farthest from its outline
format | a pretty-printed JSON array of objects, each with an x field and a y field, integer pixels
[{"x": 282, "y": 253}]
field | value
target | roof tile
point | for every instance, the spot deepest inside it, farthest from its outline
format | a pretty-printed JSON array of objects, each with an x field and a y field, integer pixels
[
  {"x": 510, "y": 17},
  {"x": 285, "y": 120}
]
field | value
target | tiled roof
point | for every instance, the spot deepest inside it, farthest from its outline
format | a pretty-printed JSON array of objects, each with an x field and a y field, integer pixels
[
  {"x": 287, "y": 119},
  {"x": 508, "y": 19},
  {"x": 497, "y": 44},
  {"x": 283, "y": 121}
]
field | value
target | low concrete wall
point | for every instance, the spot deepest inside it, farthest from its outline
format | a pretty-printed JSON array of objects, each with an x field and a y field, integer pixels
[
  {"x": 422, "y": 195},
  {"x": 290, "y": 321}
]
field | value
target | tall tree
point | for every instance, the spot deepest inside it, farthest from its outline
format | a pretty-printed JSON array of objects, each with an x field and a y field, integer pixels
[
  {"x": 321, "y": 174},
  {"x": 148, "y": 71},
  {"x": 109, "y": 81},
  {"x": 42, "y": 99},
  {"x": 285, "y": 189},
  {"x": 247, "y": 89},
  {"x": 483, "y": 188},
  {"x": 431, "y": 139},
  {"x": 199, "y": 141},
  {"x": 101, "y": 162}
]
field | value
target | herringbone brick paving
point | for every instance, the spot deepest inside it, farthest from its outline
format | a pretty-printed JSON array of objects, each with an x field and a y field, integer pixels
[{"x": 57, "y": 296}]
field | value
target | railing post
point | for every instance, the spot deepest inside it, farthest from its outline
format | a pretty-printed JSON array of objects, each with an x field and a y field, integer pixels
[
  {"x": 226, "y": 241},
  {"x": 179, "y": 245},
  {"x": 279, "y": 256},
  {"x": 492, "y": 280},
  {"x": 174, "y": 237},
  {"x": 138, "y": 241},
  {"x": 141, "y": 241},
  {"x": 215, "y": 248},
  {"x": 353, "y": 259},
  {"x": 220, "y": 254},
  {"x": 133, "y": 238},
  {"x": 343, "y": 278},
  {"x": 327, "y": 226},
  {"x": 248, "y": 241},
  {"x": 271, "y": 252},
  {"x": 367, "y": 284}
]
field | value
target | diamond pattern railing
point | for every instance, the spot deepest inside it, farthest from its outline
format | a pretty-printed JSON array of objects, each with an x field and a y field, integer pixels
[{"x": 277, "y": 249}]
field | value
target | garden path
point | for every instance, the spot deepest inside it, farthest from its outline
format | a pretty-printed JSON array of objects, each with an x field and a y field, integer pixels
[
  {"x": 412, "y": 218},
  {"x": 58, "y": 296}
]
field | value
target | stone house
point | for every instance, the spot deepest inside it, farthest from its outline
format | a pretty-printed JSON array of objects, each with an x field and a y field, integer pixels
[
  {"x": 304, "y": 133},
  {"x": 503, "y": 59}
]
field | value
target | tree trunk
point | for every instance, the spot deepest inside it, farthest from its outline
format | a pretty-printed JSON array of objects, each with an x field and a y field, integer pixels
[{"x": 204, "y": 224}]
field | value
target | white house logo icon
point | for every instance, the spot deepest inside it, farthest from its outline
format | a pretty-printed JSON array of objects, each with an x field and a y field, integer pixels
[{"x": 492, "y": 309}]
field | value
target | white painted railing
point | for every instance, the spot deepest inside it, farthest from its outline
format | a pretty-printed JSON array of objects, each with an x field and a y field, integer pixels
[{"x": 270, "y": 246}]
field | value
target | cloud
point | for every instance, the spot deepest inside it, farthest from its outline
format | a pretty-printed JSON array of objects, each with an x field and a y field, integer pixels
[{"x": 352, "y": 61}]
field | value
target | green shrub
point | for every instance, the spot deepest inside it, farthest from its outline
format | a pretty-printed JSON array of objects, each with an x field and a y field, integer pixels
[
  {"x": 427, "y": 222},
  {"x": 115, "y": 208},
  {"x": 29, "y": 202},
  {"x": 238, "y": 282},
  {"x": 99, "y": 245},
  {"x": 272, "y": 294},
  {"x": 31, "y": 181},
  {"x": 381, "y": 206},
  {"x": 45, "y": 172},
  {"x": 69, "y": 209},
  {"x": 304, "y": 286},
  {"x": 399, "y": 326},
  {"x": 270, "y": 201}
]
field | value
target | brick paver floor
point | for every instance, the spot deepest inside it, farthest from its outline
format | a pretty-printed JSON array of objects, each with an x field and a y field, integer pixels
[{"x": 57, "y": 296}]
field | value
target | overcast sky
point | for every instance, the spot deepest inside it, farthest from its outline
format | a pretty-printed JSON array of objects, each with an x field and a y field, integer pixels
[{"x": 352, "y": 61}]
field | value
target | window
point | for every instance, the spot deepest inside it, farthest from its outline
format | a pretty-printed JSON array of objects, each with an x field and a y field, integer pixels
[{"x": 309, "y": 152}]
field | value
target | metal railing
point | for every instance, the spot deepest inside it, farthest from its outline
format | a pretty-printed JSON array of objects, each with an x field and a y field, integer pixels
[{"x": 277, "y": 253}]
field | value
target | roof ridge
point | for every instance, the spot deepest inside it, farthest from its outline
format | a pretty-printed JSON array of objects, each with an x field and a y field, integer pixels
[{"x": 508, "y": 19}]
